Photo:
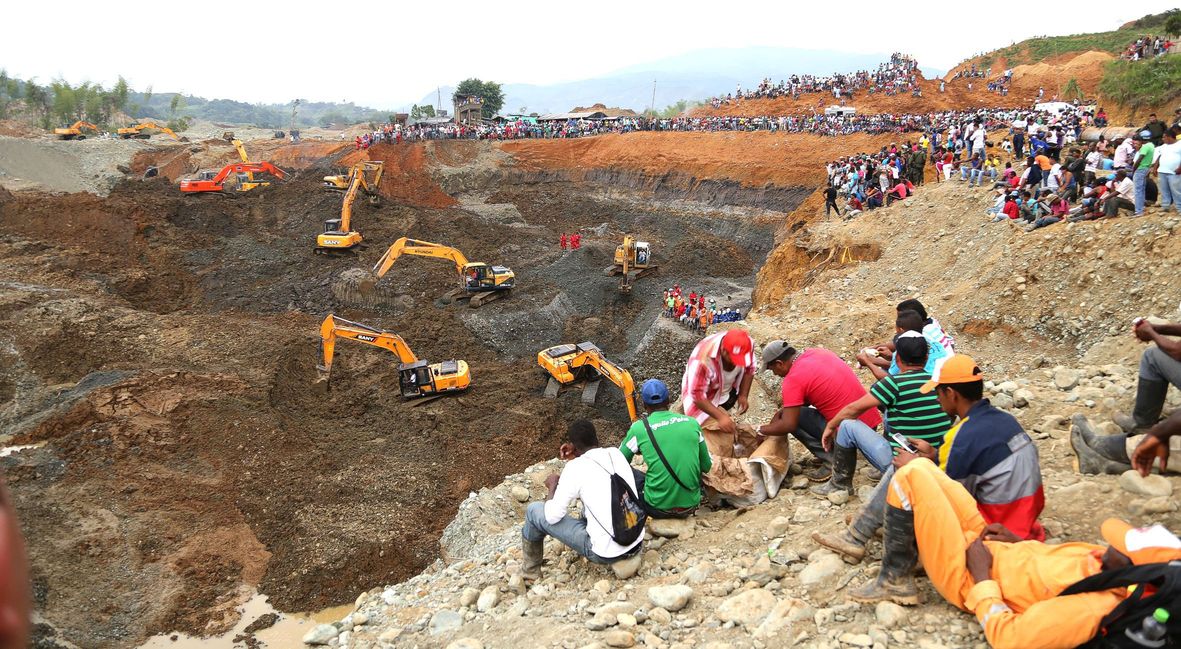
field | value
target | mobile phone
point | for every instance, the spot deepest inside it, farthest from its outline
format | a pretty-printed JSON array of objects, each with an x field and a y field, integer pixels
[{"x": 904, "y": 443}]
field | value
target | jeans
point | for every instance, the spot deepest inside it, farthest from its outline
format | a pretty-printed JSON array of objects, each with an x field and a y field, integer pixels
[
  {"x": 1140, "y": 179},
  {"x": 853, "y": 433},
  {"x": 809, "y": 429},
  {"x": 1046, "y": 220},
  {"x": 1170, "y": 190},
  {"x": 570, "y": 531}
]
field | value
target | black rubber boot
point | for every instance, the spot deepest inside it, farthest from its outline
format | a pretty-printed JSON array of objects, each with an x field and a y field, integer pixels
[
  {"x": 1087, "y": 459},
  {"x": 1150, "y": 401},
  {"x": 532, "y": 553},
  {"x": 844, "y": 462},
  {"x": 815, "y": 448},
  {"x": 895, "y": 581}
]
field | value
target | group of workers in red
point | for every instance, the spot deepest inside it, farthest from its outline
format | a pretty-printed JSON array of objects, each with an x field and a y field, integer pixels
[{"x": 574, "y": 241}]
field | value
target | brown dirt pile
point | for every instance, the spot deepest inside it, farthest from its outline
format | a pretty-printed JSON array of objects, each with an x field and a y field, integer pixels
[{"x": 405, "y": 178}]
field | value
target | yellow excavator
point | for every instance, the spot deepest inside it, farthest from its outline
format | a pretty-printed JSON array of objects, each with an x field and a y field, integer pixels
[
  {"x": 74, "y": 131},
  {"x": 338, "y": 235},
  {"x": 478, "y": 282},
  {"x": 416, "y": 378},
  {"x": 632, "y": 255},
  {"x": 584, "y": 361},
  {"x": 136, "y": 131}
]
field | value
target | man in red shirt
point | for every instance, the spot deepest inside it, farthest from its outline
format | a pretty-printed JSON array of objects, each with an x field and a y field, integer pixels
[
  {"x": 562, "y": 241},
  {"x": 817, "y": 385}
]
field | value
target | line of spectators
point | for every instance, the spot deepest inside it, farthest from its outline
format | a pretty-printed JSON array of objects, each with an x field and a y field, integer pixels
[
  {"x": 897, "y": 75},
  {"x": 695, "y": 311},
  {"x": 1147, "y": 46}
]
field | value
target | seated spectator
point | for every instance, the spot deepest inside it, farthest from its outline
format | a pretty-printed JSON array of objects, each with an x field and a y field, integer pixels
[
  {"x": 1119, "y": 195},
  {"x": 884, "y": 362},
  {"x": 1112, "y": 454},
  {"x": 586, "y": 477},
  {"x": 672, "y": 486}
]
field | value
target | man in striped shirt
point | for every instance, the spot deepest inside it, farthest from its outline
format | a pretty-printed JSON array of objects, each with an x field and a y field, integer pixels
[{"x": 908, "y": 412}]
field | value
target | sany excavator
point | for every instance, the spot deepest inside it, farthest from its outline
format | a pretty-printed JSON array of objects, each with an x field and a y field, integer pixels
[
  {"x": 338, "y": 235},
  {"x": 584, "y": 361},
  {"x": 478, "y": 281},
  {"x": 135, "y": 131},
  {"x": 632, "y": 255},
  {"x": 208, "y": 181},
  {"x": 416, "y": 378},
  {"x": 74, "y": 132}
]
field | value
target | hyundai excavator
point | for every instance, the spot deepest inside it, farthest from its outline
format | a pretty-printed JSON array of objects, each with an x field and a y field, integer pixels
[
  {"x": 208, "y": 181},
  {"x": 478, "y": 282},
  {"x": 136, "y": 131},
  {"x": 338, "y": 235},
  {"x": 584, "y": 361},
  {"x": 416, "y": 378},
  {"x": 632, "y": 255},
  {"x": 74, "y": 131}
]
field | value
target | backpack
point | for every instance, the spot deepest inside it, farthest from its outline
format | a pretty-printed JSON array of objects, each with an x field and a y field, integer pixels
[
  {"x": 627, "y": 512},
  {"x": 1131, "y": 613}
]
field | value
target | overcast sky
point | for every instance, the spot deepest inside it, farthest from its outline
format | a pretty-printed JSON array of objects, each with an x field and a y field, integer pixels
[{"x": 386, "y": 55}]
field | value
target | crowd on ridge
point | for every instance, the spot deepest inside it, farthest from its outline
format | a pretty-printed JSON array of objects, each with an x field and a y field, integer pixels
[
  {"x": 1147, "y": 46},
  {"x": 694, "y": 310},
  {"x": 895, "y": 76}
]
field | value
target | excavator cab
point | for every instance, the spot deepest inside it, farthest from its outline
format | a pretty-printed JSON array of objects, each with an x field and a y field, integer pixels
[
  {"x": 482, "y": 277},
  {"x": 415, "y": 378}
]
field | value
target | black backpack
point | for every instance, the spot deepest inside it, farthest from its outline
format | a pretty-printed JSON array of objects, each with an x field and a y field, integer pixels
[
  {"x": 627, "y": 512},
  {"x": 1165, "y": 578}
]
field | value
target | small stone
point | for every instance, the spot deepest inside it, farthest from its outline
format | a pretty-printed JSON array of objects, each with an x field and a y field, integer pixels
[
  {"x": 838, "y": 497},
  {"x": 1065, "y": 378},
  {"x": 390, "y": 635},
  {"x": 1003, "y": 401},
  {"x": 489, "y": 597},
  {"x": 1008, "y": 387},
  {"x": 360, "y": 619},
  {"x": 821, "y": 567},
  {"x": 670, "y": 598},
  {"x": 1022, "y": 398},
  {"x": 890, "y": 614},
  {"x": 469, "y": 597},
  {"x": 671, "y": 527},
  {"x": 626, "y": 621},
  {"x": 603, "y": 586},
  {"x": 778, "y": 526},
  {"x": 320, "y": 634},
  {"x": 1158, "y": 505},
  {"x": 1152, "y": 486},
  {"x": 445, "y": 621},
  {"x": 699, "y": 573},
  {"x": 466, "y": 643},
  {"x": 620, "y": 639},
  {"x": 856, "y": 639},
  {"x": 799, "y": 482},
  {"x": 747, "y": 608},
  {"x": 602, "y": 621},
  {"x": 520, "y": 494},
  {"x": 660, "y": 616}
]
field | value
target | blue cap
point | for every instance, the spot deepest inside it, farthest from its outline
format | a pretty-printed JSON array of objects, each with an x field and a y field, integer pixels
[{"x": 654, "y": 392}]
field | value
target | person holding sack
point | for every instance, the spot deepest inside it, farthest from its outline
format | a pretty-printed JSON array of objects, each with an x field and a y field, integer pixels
[
  {"x": 675, "y": 451},
  {"x": 611, "y": 531}
]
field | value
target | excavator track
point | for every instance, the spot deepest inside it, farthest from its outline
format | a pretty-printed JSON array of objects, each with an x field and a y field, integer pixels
[
  {"x": 590, "y": 392},
  {"x": 552, "y": 388},
  {"x": 651, "y": 270},
  {"x": 480, "y": 299}
]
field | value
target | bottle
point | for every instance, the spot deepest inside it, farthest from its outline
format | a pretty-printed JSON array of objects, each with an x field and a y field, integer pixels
[{"x": 1152, "y": 630}]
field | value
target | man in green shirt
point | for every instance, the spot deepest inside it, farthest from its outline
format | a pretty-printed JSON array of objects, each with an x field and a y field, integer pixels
[
  {"x": 1142, "y": 164},
  {"x": 674, "y": 450}
]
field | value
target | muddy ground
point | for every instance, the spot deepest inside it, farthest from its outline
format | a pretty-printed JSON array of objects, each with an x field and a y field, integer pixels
[{"x": 163, "y": 348}]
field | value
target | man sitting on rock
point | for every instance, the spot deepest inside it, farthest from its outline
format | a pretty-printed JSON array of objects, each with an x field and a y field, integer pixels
[
  {"x": 986, "y": 451},
  {"x": 1014, "y": 588},
  {"x": 674, "y": 449},
  {"x": 909, "y": 413},
  {"x": 586, "y": 477},
  {"x": 817, "y": 384},
  {"x": 939, "y": 344},
  {"x": 1159, "y": 367}
]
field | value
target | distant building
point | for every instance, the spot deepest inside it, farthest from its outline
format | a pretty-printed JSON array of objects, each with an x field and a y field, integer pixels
[{"x": 469, "y": 109}]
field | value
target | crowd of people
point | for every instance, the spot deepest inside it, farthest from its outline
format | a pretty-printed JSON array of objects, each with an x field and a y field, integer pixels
[
  {"x": 959, "y": 487},
  {"x": 898, "y": 75},
  {"x": 1147, "y": 46},
  {"x": 694, "y": 310}
]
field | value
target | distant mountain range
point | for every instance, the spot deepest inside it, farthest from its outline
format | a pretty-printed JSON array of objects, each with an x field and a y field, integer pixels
[{"x": 696, "y": 75}]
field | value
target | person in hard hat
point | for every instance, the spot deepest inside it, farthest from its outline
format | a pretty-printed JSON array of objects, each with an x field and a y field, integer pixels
[{"x": 674, "y": 451}]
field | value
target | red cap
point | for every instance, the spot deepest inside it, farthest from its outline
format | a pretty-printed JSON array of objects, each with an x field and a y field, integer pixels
[{"x": 737, "y": 343}]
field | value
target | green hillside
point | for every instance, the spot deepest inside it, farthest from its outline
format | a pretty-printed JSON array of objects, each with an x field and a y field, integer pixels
[{"x": 1035, "y": 50}]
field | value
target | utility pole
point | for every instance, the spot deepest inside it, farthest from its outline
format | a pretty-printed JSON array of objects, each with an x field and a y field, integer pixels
[
  {"x": 652, "y": 106},
  {"x": 438, "y": 99},
  {"x": 294, "y": 107}
]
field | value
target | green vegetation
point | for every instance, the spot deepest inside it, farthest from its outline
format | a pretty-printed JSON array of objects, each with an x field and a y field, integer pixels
[
  {"x": 489, "y": 91},
  {"x": 673, "y": 110},
  {"x": 421, "y": 112},
  {"x": 1071, "y": 91},
  {"x": 1035, "y": 50},
  {"x": 1142, "y": 83}
]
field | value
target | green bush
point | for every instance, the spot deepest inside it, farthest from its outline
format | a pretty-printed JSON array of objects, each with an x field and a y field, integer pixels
[{"x": 1142, "y": 83}]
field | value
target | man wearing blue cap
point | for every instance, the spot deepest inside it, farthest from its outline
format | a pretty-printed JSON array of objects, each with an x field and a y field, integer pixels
[{"x": 674, "y": 450}]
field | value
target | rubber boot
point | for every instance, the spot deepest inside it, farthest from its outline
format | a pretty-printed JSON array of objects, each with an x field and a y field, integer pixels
[
  {"x": 895, "y": 581},
  {"x": 850, "y": 542},
  {"x": 817, "y": 449},
  {"x": 844, "y": 461},
  {"x": 532, "y": 553},
  {"x": 1088, "y": 460},
  {"x": 1150, "y": 401}
]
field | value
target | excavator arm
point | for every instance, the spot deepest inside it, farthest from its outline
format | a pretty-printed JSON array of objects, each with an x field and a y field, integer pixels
[
  {"x": 357, "y": 184},
  {"x": 615, "y": 374},
  {"x": 405, "y": 246},
  {"x": 216, "y": 184},
  {"x": 567, "y": 363},
  {"x": 334, "y": 327}
]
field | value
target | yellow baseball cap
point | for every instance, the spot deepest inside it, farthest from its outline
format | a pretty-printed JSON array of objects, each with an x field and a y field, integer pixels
[{"x": 958, "y": 368}]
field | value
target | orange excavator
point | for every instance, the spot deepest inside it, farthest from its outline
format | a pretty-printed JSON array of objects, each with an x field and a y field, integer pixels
[
  {"x": 478, "y": 281},
  {"x": 416, "y": 378},
  {"x": 584, "y": 361},
  {"x": 338, "y": 235},
  {"x": 631, "y": 256},
  {"x": 135, "y": 131},
  {"x": 208, "y": 181},
  {"x": 74, "y": 131}
]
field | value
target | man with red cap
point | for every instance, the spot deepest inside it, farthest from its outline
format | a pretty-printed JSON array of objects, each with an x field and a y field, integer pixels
[{"x": 1014, "y": 587}]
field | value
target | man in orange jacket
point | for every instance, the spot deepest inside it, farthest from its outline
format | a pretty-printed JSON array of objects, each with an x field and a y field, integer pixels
[{"x": 1011, "y": 585}]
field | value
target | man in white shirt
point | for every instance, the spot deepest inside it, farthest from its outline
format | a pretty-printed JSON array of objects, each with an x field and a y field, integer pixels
[
  {"x": 1121, "y": 190},
  {"x": 1124, "y": 153},
  {"x": 1167, "y": 163},
  {"x": 586, "y": 477}
]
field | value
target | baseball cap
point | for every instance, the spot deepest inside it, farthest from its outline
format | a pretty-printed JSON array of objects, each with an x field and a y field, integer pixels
[
  {"x": 738, "y": 344},
  {"x": 775, "y": 350},
  {"x": 959, "y": 368},
  {"x": 1143, "y": 135},
  {"x": 1142, "y": 545},
  {"x": 654, "y": 392}
]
